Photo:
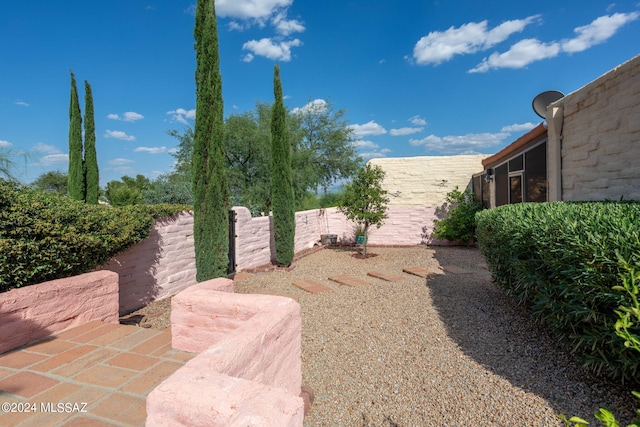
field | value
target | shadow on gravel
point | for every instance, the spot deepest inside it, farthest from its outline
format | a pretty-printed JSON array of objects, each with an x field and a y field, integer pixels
[{"x": 488, "y": 327}]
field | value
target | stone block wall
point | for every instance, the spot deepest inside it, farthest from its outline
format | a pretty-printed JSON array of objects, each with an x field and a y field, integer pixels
[
  {"x": 34, "y": 312},
  {"x": 601, "y": 137},
  {"x": 425, "y": 181},
  {"x": 159, "y": 266}
]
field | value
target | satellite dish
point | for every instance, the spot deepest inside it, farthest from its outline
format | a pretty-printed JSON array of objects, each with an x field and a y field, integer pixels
[{"x": 542, "y": 101}]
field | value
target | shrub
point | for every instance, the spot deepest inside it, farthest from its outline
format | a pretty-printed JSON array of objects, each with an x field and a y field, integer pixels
[
  {"x": 567, "y": 261},
  {"x": 45, "y": 236},
  {"x": 457, "y": 216}
]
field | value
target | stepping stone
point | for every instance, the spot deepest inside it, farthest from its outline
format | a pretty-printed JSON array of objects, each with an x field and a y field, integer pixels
[
  {"x": 240, "y": 276},
  {"x": 348, "y": 280},
  {"x": 311, "y": 286},
  {"x": 385, "y": 276},
  {"x": 454, "y": 269},
  {"x": 417, "y": 271}
]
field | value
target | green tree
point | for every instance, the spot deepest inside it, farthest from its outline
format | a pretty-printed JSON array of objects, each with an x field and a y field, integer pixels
[
  {"x": 54, "y": 181},
  {"x": 127, "y": 191},
  {"x": 457, "y": 217},
  {"x": 174, "y": 189},
  {"x": 91, "y": 177},
  {"x": 322, "y": 153},
  {"x": 365, "y": 201},
  {"x": 210, "y": 187},
  {"x": 284, "y": 221},
  {"x": 76, "y": 164}
]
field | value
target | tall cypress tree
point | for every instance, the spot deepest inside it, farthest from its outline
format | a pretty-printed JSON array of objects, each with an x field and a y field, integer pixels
[
  {"x": 284, "y": 225},
  {"x": 76, "y": 167},
  {"x": 210, "y": 187},
  {"x": 92, "y": 184}
]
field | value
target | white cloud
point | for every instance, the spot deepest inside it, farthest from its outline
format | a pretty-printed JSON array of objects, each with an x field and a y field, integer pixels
[
  {"x": 369, "y": 128},
  {"x": 129, "y": 116},
  {"x": 375, "y": 154},
  {"x": 317, "y": 106},
  {"x": 181, "y": 115},
  {"x": 405, "y": 131},
  {"x": 249, "y": 9},
  {"x": 275, "y": 50},
  {"x": 461, "y": 144},
  {"x": 44, "y": 148},
  {"x": 598, "y": 31},
  {"x": 418, "y": 121},
  {"x": 5, "y": 144},
  {"x": 364, "y": 144},
  {"x": 118, "y": 134},
  {"x": 155, "y": 150},
  {"x": 53, "y": 159},
  {"x": 518, "y": 127},
  {"x": 520, "y": 55},
  {"x": 22, "y": 103},
  {"x": 440, "y": 46},
  {"x": 120, "y": 161},
  {"x": 286, "y": 26},
  {"x": 527, "y": 51}
]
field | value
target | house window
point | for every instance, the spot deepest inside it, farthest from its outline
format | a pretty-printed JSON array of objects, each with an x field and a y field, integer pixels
[{"x": 523, "y": 177}]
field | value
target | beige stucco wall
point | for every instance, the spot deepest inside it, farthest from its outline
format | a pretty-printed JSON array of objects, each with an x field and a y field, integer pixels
[
  {"x": 600, "y": 145},
  {"x": 425, "y": 181}
]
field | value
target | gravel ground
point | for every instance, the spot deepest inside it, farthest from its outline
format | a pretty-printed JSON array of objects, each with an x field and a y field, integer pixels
[{"x": 451, "y": 350}]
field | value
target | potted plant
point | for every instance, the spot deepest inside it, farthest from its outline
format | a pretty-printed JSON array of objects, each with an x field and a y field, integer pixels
[{"x": 359, "y": 232}]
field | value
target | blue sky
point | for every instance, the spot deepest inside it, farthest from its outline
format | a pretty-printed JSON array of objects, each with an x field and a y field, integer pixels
[{"x": 433, "y": 77}]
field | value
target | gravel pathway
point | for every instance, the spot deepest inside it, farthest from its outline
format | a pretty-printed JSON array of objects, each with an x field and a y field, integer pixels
[{"x": 453, "y": 351}]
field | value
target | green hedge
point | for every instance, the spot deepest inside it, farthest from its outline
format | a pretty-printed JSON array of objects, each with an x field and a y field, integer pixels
[
  {"x": 562, "y": 259},
  {"x": 45, "y": 236}
]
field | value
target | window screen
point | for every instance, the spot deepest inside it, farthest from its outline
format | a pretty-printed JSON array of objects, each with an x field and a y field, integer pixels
[
  {"x": 502, "y": 185},
  {"x": 536, "y": 174}
]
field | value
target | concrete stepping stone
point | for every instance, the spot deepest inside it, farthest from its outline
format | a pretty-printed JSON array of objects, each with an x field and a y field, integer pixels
[
  {"x": 311, "y": 286},
  {"x": 385, "y": 276},
  {"x": 417, "y": 271},
  {"x": 454, "y": 269},
  {"x": 348, "y": 280},
  {"x": 241, "y": 276}
]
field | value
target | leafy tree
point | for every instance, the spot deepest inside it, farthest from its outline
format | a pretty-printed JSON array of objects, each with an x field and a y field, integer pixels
[
  {"x": 322, "y": 153},
  {"x": 54, "y": 181},
  {"x": 91, "y": 177},
  {"x": 365, "y": 201},
  {"x": 173, "y": 189},
  {"x": 457, "y": 216},
  {"x": 76, "y": 164},
  {"x": 210, "y": 188},
  {"x": 284, "y": 224},
  {"x": 127, "y": 191}
]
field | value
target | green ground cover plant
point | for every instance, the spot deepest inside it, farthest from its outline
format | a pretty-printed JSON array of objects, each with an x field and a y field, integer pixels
[
  {"x": 568, "y": 262},
  {"x": 46, "y": 236}
]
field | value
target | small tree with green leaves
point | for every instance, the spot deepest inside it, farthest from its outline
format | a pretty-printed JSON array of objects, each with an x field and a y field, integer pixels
[
  {"x": 457, "y": 216},
  {"x": 365, "y": 201}
]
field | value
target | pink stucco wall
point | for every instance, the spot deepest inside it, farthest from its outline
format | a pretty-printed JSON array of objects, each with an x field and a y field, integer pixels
[
  {"x": 158, "y": 267},
  {"x": 37, "y": 311},
  {"x": 249, "y": 367}
]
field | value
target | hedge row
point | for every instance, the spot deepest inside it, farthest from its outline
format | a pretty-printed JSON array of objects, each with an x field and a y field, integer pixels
[
  {"x": 562, "y": 259},
  {"x": 45, "y": 236}
]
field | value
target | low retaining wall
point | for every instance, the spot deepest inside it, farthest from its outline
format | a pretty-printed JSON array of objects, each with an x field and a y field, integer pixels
[
  {"x": 37, "y": 311},
  {"x": 249, "y": 370}
]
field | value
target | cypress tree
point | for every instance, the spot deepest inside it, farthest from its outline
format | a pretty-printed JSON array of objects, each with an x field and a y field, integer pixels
[
  {"x": 210, "y": 188},
  {"x": 92, "y": 184},
  {"x": 76, "y": 167},
  {"x": 282, "y": 200}
]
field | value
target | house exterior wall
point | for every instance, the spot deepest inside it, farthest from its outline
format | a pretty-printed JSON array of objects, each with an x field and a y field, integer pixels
[
  {"x": 600, "y": 139},
  {"x": 425, "y": 181}
]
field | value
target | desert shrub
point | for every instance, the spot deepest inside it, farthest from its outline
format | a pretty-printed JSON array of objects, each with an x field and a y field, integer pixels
[
  {"x": 45, "y": 236},
  {"x": 567, "y": 261},
  {"x": 457, "y": 220}
]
